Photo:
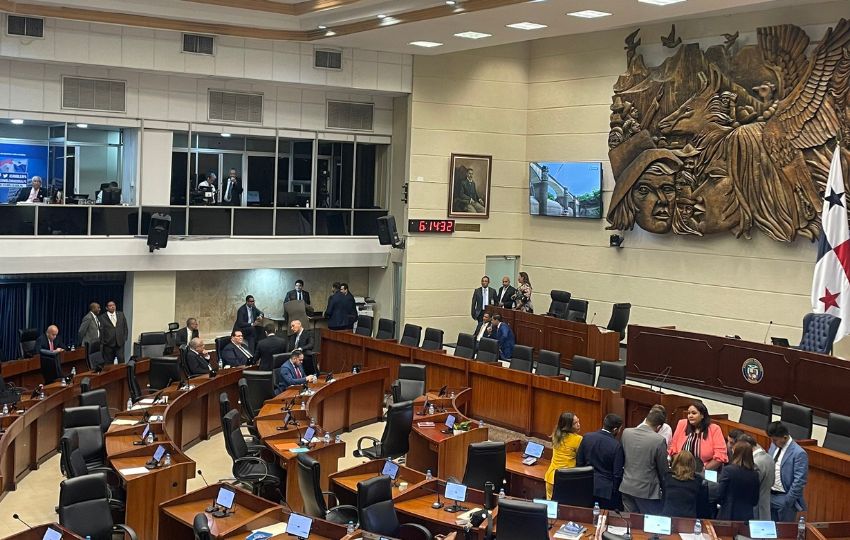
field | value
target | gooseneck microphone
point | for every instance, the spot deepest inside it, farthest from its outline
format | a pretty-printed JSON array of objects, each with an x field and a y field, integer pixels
[
  {"x": 212, "y": 507},
  {"x": 202, "y": 478},
  {"x": 592, "y": 318},
  {"x": 767, "y": 332},
  {"x": 628, "y": 534},
  {"x": 17, "y": 517}
]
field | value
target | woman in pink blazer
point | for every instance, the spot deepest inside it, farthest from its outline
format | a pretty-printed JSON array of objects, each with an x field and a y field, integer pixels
[{"x": 700, "y": 437}]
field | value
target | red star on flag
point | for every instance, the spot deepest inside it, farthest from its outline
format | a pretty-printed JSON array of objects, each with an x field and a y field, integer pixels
[{"x": 829, "y": 300}]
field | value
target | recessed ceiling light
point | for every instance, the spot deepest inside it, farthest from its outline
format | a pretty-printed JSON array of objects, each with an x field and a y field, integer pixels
[
  {"x": 426, "y": 44},
  {"x": 660, "y": 2},
  {"x": 82, "y": 126},
  {"x": 381, "y": 15},
  {"x": 17, "y": 121},
  {"x": 225, "y": 134},
  {"x": 472, "y": 35},
  {"x": 322, "y": 27},
  {"x": 387, "y": 21},
  {"x": 589, "y": 14},
  {"x": 330, "y": 33},
  {"x": 450, "y": 2},
  {"x": 526, "y": 26}
]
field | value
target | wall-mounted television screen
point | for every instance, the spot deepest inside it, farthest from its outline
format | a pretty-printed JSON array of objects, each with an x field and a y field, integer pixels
[{"x": 565, "y": 189}]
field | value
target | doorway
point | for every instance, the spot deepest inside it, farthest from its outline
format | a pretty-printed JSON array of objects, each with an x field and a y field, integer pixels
[{"x": 497, "y": 266}]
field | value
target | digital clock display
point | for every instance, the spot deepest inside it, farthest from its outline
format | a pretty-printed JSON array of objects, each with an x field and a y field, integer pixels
[{"x": 444, "y": 226}]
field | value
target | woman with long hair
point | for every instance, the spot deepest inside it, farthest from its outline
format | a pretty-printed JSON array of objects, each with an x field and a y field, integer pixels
[
  {"x": 565, "y": 441},
  {"x": 683, "y": 488},
  {"x": 699, "y": 436},
  {"x": 738, "y": 485},
  {"x": 522, "y": 297}
]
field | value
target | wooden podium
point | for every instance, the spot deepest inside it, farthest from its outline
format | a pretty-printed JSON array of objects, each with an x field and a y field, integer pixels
[{"x": 638, "y": 400}]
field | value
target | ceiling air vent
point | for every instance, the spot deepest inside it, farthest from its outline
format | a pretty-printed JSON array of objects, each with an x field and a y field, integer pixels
[
  {"x": 236, "y": 107},
  {"x": 350, "y": 115},
  {"x": 327, "y": 59},
  {"x": 25, "y": 26},
  {"x": 94, "y": 94},
  {"x": 198, "y": 44}
]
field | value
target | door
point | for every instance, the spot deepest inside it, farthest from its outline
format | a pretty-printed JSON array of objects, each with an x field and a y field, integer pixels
[
  {"x": 259, "y": 180},
  {"x": 502, "y": 265}
]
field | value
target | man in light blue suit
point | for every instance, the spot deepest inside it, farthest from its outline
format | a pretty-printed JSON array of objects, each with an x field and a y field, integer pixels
[{"x": 792, "y": 472}]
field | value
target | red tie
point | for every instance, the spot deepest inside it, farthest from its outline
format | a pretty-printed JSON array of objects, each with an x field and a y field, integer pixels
[
  {"x": 297, "y": 372},
  {"x": 51, "y": 344}
]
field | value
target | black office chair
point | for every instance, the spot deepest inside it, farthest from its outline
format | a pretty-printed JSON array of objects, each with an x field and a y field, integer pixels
[
  {"x": 577, "y": 310},
  {"x": 410, "y": 383},
  {"x": 837, "y": 433},
  {"x": 173, "y": 326},
  {"x": 559, "y": 304},
  {"x": 819, "y": 331},
  {"x": 220, "y": 343},
  {"x": 364, "y": 325},
  {"x": 465, "y": 347},
  {"x": 485, "y": 462},
  {"x": 133, "y": 382},
  {"x": 411, "y": 335},
  {"x": 26, "y": 342},
  {"x": 583, "y": 370},
  {"x": 84, "y": 508},
  {"x": 548, "y": 363},
  {"x": 94, "y": 357},
  {"x": 309, "y": 483},
  {"x": 259, "y": 387},
  {"x": 523, "y": 352},
  {"x": 262, "y": 477},
  {"x": 248, "y": 413},
  {"x": 520, "y": 365},
  {"x": 91, "y": 443},
  {"x": 488, "y": 350},
  {"x": 150, "y": 344},
  {"x": 756, "y": 410},
  {"x": 201, "y": 527},
  {"x": 433, "y": 340},
  {"x": 377, "y": 511},
  {"x": 612, "y": 375},
  {"x": 394, "y": 441},
  {"x": 73, "y": 464},
  {"x": 386, "y": 329},
  {"x": 255, "y": 445},
  {"x": 798, "y": 420},
  {"x": 619, "y": 320},
  {"x": 98, "y": 397},
  {"x": 574, "y": 486},
  {"x": 522, "y": 520},
  {"x": 278, "y": 360}
]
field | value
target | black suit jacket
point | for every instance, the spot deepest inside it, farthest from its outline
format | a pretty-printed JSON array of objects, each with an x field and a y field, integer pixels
[
  {"x": 684, "y": 498},
  {"x": 604, "y": 453},
  {"x": 113, "y": 336},
  {"x": 267, "y": 348},
  {"x": 231, "y": 356},
  {"x": 478, "y": 302},
  {"x": 235, "y": 192},
  {"x": 24, "y": 194},
  {"x": 341, "y": 311},
  {"x": 305, "y": 342},
  {"x": 183, "y": 334},
  {"x": 196, "y": 364},
  {"x": 738, "y": 491},
  {"x": 42, "y": 343},
  {"x": 293, "y": 295},
  {"x": 242, "y": 318},
  {"x": 508, "y": 298}
]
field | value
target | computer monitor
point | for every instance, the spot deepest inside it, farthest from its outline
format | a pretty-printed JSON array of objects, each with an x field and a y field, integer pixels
[
  {"x": 450, "y": 421},
  {"x": 533, "y": 449},
  {"x": 308, "y": 435},
  {"x": 225, "y": 498},
  {"x": 299, "y": 526},
  {"x": 390, "y": 469},
  {"x": 164, "y": 371},
  {"x": 51, "y": 367},
  {"x": 145, "y": 432},
  {"x": 657, "y": 524},
  {"x": 551, "y": 507},
  {"x": 710, "y": 475},
  {"x": 762, "y": 529},
  {"x": 111, "y": 196},
  {"x": 252, "y": 198}
]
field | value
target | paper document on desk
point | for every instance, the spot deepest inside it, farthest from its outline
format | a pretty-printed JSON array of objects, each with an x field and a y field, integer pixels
[
  {"x": 124, "y": 422},
  {"x": 133, "y": 470},
  {"x": 146, "y": 401},
  {"x": 619, "y": 531},
  {"x": 274, "y": 529},
  {"x": 691, "y": 536}
]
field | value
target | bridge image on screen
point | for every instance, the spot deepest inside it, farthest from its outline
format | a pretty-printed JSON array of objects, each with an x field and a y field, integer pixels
[{"x": 568, "y": 189}]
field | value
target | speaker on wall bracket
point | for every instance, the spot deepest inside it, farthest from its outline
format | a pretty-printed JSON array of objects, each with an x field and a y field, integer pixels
[
  {"x": 158, "y": 231},
  {"x": 388, "y": 233}
]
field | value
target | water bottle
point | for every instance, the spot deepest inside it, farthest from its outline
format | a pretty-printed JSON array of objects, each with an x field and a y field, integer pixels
[
  {"x": 452, "y": 395},
  {"x": 698, "y": 528},
  {"x": 5, "y": 409},
  {"x": 129, "y": 403},
  {"x": 41, "y": 393},
  {"x": 428, "y": 476},
  {"x": 327, "y": 437},
  {"x": 73, "y": 372},
  {"x": 801, "y": 528},
  {"x": 338, "y": 439},
  {"x": 596, "y": 512},
  {"x": 64, "y": 381},
  {"x": 220, "y": 364},
  {"x": 312, "y": 422},
  {"x": 303, "y": 405},
  {"x": 502, "y": 493},
  {"x": 350, "y": 528},
  {"x": 431, "y": 409},
  {"x": 149, "y": 438},
  {"x": 480, "y": 423},
  {"x": 166, "y": 461}
]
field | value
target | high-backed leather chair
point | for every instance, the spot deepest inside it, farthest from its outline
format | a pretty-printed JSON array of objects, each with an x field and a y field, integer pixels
[
  {"x": 798, "y": 419},
  {"x": 26, "y": 342},
  {"x": 619, "y": 320},
  {"x": 574, "y": 486},
  {"x": 411, "y": 335},
  {"x": 201, "y": 527},
  {"x": 612, "y": 375},
  {"x": 583, "y": 370},
  {"x": 488, "y": 350},
  {"x": 837, "y": 433},
  {"x": 523, "y": 352},
  {"x": 522, "y": 520},
  {"x": 150, "y": 344},
  {"x": 548, "y": 363},
  {"x": 520, "y": 365},
  {"x": 309, "y": 484},
  {"x": 377, "y": 511},
  {"x": 260, "y": 387},
  {"x": 433, "y": 340},
  {"x": 220, "y": 343},
  {"x": 263, "y": 477},
  {"x": 577, "y": 310},
  {"x": 819, "y": 331},
  {"x": 133, "y": 382},
  {"x": 364, "y": 325},
  {"x": 394, "y": 441},
  {"x": 560, "y": 304},
  {"x": 386, "y": 329},
  {"x": 485, "y": 462},
  {"x": 756, "y": 410},
  {"x": 98, "y": 397},
  {"x": 84, "y": 508},
  {"x": 410, "y": 383},
  {"x": 465, "y": 347}
]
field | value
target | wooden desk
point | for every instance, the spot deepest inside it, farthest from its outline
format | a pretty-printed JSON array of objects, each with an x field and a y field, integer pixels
[
  {"x": 838, "y": 530},
  {"x": 37, "y": 533},
  {"x": 637, "y": 400},
  {"x": 444, "y": 454},
  {"x": 193, "y": 415},
  {"x": 344, "y": 483},
  {"x": 414, "y": 506},
  {"x": 26, "y": 372},
  {"x": 526, "y": 481}
]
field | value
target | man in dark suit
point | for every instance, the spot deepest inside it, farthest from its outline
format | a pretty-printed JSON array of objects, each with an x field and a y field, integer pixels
[
  {"x": 50, "y": 340},
  {"x": 505, "y": 296},
  {"x": 483, "y": 329},
  {"x": 231, "y": 192},
  {"x": 197, "y": 358},
  {"x": 89, "y": 332},
  {"x": 645, "y": 465},
  {"x": 604, "y": 453},
  {"x": 292, "y": 372},
  {"x": 298, "y": 293},
  {"x": 482, "y": 297},
  {"x": 185, "y": 334},
  {"x": 506, "y": 338},
  {"x": 299, "y": 338},
  {"x": 247, "y": 314},
  {"x": 35, "y": 194},
  {"x": 236, "y": 353},
  {"x": 114, "y": 332},
  {"x": 269, "y": 347},
  {"x": 791, "y": 474},
  {"x": 341, "y": 310}
]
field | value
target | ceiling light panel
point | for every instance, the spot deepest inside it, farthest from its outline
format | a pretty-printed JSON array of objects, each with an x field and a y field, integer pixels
[
  {"x": 526, "y": 26},
  {"x": 472, "y": 35},
  {"x": 660, "y": 2},
  {"x": 589, "y": 14},
  {"x": 426, "y": 44}
]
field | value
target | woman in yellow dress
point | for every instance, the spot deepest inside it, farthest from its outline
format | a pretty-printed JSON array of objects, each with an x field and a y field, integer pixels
[{"x": 565, "y": 441}]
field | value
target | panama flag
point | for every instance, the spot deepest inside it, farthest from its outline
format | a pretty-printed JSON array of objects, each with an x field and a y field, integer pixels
[{"x": 831, "y": 285}]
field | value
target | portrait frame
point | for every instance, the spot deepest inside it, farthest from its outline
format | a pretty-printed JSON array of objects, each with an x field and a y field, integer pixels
[{"x": 459, "y": 167}]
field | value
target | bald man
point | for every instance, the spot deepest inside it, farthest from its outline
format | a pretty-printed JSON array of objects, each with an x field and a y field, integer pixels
[
  {"x": 34, "y": 194},
  {"x": 50, "y": 340}
]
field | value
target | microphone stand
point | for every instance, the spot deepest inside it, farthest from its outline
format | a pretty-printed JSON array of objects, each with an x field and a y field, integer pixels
[{"x": 628, "y": 535}]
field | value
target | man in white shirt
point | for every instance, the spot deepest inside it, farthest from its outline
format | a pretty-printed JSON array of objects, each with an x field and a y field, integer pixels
[
  {"x": 484, "y": 329},
  {"x": 89, "y": 331},
  {"x": 481, "y": 298},
  {"x": 665, "y": 430},
  {"x": 33, "y": 195},
  {"x": 791, "y": 472}
]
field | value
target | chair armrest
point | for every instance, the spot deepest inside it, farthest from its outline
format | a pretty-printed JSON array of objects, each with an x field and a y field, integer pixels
[
  {"x": 329, "y": 495},
  {"x": 344, "y": 507},
  {"x": 255, "y": 460},
  {"x": 127, "y": 530},
  {"x": 426, "y": 534},
  {"x": 361, "y": 439}
]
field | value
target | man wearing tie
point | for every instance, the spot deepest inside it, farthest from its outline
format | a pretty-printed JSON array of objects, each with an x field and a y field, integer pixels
[
  {"x": 247, "y": 314},
  {"x": 197, "y": 358},
  {"x": 89, "y": 332},
  {"x": 790, "y": 474},
  {"x": 50, "y": 340},
  {"x": 298, "y": 293},
  {"x": 185, "y": 334},
  {"x": 505, "y": 296},
  {"x": 292, "y": 373},
  {"x": 114, "y": 327},
  {"x": 35, "y": 194},
  {"x": 299, "y": 338},
  {"x": 484, "y": 329},
  {"x": 482, "y": 297},
  {"x": 235, "y": 353},
  {"x": 232, "y": 191}
]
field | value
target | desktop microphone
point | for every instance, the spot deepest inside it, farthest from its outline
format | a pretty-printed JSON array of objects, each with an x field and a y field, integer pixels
[
  {"x": 766, "y": 333},
  {"x": 204, "y": 479},
  {"x": 438, "y": 503},
  {"x": 661, "y": 377},
  {"x": 212, "y": 507},
  {"x": 628, "y": 535},
  {"x": 592, "y": 318},
  {"x": 16, "y": 516}
]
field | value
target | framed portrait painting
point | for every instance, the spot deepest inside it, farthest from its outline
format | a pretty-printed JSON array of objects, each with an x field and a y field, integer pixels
[{"x": 469, "y": 186}]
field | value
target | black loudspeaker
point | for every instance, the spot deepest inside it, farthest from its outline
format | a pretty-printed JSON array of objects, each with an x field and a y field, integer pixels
[
  {"x": 387, "y": 232},
  {"x": 158, "y": 231}
]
